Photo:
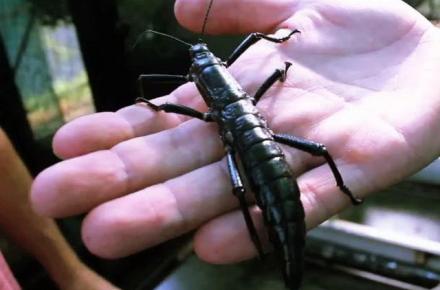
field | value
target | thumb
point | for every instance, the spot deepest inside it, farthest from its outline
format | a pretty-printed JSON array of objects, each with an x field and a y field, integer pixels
[{"x": 233, "y": 16}]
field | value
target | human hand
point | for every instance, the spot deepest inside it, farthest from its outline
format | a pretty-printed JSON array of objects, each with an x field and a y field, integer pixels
[{"x": 363, "y": 82}]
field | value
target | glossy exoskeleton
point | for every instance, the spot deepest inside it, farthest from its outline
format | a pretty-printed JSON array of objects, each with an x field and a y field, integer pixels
[{"x": 246, "y": 137}]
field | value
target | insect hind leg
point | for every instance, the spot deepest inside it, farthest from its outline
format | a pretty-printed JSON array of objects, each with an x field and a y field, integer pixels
[
  {"x": 318, "y": 149},
  {"x": 239, "y": 191}
]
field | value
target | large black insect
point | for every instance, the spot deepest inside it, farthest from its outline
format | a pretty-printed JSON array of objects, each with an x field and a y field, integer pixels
[{"x": 247, "y": 138}]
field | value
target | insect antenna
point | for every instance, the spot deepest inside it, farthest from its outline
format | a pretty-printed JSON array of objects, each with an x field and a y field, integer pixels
[
  {"x": 162, "y": 34},
  {"x": 205, "y": 21}
]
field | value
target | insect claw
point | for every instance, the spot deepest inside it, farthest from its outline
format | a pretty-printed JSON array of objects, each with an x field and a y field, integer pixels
[
  {"x": 354, "y": 200},
  {"x": 289, "y": 35},
  {"x": 141, "y": 100},
  {"x": 147, "y": 102},
  {"x": 293, "y": 32},
  {"x": 284, "y": 72}
]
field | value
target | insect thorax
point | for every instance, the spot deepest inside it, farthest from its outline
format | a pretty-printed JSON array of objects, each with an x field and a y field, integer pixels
[{"x": 216, "y": 85}]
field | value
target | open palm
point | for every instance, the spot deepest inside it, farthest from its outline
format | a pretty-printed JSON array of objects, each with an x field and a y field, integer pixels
[{"x": 363, "y": 82}]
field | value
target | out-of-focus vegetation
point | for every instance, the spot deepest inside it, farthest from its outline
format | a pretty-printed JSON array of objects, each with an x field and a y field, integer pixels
[
  {"x": 44, "y": 55},
  {"x": 429, "y": 8}
]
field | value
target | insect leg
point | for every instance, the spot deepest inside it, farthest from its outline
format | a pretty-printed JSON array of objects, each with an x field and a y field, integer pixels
[
  {"x": 253, "y": 38},
  {"x": 279, "y": 74},
  {"x": 177, "y": 109},
  {"x": 162, "y": 78},
  {"x": 239, "y": 191},
  {"x": 318, "y": 149}
]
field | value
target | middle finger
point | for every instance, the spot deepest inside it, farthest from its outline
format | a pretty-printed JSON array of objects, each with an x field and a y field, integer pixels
[{"x": 163, "y": 211}]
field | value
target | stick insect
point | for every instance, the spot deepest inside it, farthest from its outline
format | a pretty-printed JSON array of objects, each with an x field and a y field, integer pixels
[{"x": 247, "y": 139}]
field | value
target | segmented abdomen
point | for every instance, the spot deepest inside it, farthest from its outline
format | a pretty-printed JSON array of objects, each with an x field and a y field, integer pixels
[{"x": 276, "y": 190}]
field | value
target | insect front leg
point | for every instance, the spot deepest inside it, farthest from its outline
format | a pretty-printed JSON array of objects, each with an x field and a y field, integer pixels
[
  {"x": 318, "y": 149},
  {"x": 239, "y": 191},
  {"x": 177, "y": 109},
  {"x": 252, "y": 39},
  {"x": 278, "y": 75},
  {"x": 167, "y": 107}
]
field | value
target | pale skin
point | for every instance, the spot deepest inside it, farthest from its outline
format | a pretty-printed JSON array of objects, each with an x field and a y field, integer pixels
[
  {"x": 36, "y": 234},
  {"x": 364, "y": 81}
]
